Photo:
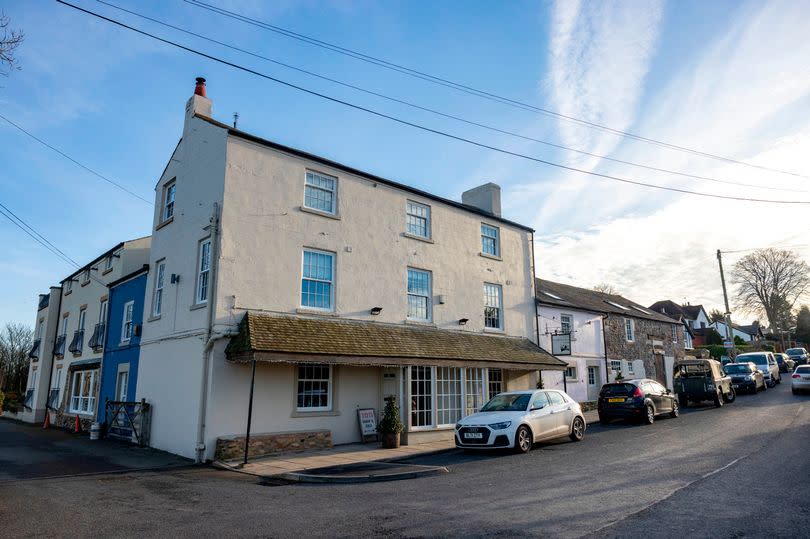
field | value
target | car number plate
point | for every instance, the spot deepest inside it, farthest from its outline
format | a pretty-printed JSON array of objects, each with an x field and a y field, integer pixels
[
  {"x": 475, "y": 435},
  {"x": 616, "y": 399},
  {"x": 735, "y": 386}
]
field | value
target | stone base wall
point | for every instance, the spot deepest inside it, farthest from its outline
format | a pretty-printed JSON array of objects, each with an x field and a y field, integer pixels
[
  {"x": 274, "y": 443},
  {"x": 587, "y": 406},
  {"x": 67, "y": 421}
]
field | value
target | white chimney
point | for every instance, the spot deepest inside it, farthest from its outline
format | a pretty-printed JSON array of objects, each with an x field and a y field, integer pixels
[
  {"x": 198, "y": 103},
  {"x": 485, "y": 197}
]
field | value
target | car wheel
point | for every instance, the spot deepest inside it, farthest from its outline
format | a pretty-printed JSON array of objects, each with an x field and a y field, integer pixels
[
  {"x": 603, "y": 420},
  {"x": 523, "y": 439},
  {"x": 649, "y": 417},
  {"x": 718, "y": 398},
  {"x": 577, "y": 429},
  {"x": 731, "y": 395},
  {"x": 675, "y": 409},
  {"x": 683, "y": 401}
]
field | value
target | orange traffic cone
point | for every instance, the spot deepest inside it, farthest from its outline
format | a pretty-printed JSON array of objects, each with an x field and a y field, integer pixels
[
  {"x": 78, "y": 427},
  {"x": 47, "y": 422}
]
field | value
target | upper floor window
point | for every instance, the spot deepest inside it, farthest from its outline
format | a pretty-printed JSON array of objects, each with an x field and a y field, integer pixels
[
  {"x": 419, "y": 294},
  {"x": 203, "y": 271},
  {"x": 317, "y": 277},
  {"x": 493, "y": 312},
  {"x": 157, "y": 297},
  {"x": 417, "y": 219},
  {"x": 320, "y": 191},
  {"x": 566, "y": 323},
  {"x": 85, "y": 277},
  {"x": 82, "y": 317},
  {"x": 69, "y": 286},
  {"x": 168, "y": 201},
  {"x": 674, "y": 333},
  {"x": 102, "y": 312},
  {"x": 126, "y": 323},
  {"x": 629, "y": 330},
  {"x": 490, "y": 240}
]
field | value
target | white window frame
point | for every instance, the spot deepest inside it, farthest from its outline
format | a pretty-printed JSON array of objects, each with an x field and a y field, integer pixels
[
  {"x": 674, "y": 334},
  {"x": 123, "y": 368},
  {"x": 592, "y": 375},
  {"x": 476, "y": 387},
  {"x": 103, "y": 307},
  {"x": 169, "y": 195},
  {"x": 570, "y": 319},
  {"x": 330, "y": 381},
  {"x": 126, "y": 321},
  {"x": 488, "y": 287},
  {"x": 411, "y": 212},
  {"x": 496, "y": 238},
  {"x": 616, "y": 366},
  {"x": 78, "y": 404},
  {"x": 631, "y": 370},
  {"x": 203, "y": 272},
  {"x": 332, "y": 256},
  {"x": 630, "y": 330},
  {"x": 311, "y": 174},
  {"x": 448, "y": 402},
  {"x": 85, "y": 277},
  {"x": 157, "y": 292},
  {"x": 573, "y": 372},
  {"x": 65, "y": 326},
  {"x": 428, "y": 297},
  {"x": 82, "y": 319},
  {"x": 108, "y": 263},
  {"x": 69, "y": 286}
]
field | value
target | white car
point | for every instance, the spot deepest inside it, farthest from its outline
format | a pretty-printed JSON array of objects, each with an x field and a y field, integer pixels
[
  {"x": 517, "y": 419},
  {"x": 766, "y": 362},
  {"x": 800, "y": 379}
]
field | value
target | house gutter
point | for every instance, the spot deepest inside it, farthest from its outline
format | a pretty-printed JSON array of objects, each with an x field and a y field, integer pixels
[{"x": 210, "y": 338}]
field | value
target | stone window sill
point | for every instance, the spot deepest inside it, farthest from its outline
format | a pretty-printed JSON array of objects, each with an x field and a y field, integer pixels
[
  {"x": 304, "y": 310},
  {"x": 165, "y": 223},
  {"x": 332, "y": 413},
  {"x": 425, "y": 323},
  {"x": 415, "y": 237},
  {"x": 106, "y": 271},
  {"x": 326, "y": 214},
  {"x": 153, "y": 318},
  {"x": 198, "y": 306},
  {"x": 491, "y": 257}
]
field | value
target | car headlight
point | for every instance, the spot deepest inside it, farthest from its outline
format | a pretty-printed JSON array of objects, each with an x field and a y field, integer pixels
[
  {"x": 500, "y": 426},
  {"x": 748, "y": 378},
  {"x": 458, "y": 426}
]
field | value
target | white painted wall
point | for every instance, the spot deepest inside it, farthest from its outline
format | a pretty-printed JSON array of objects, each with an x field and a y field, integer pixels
[
  {"x": 721, "y": 329},
  {"x": 701, "y": 319}
]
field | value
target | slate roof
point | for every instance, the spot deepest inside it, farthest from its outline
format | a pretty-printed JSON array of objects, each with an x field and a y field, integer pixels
[
  {"x": 288, "y": 339},
  {"x": 672, "y": 309},
  {"x": 591, "y": 300}
]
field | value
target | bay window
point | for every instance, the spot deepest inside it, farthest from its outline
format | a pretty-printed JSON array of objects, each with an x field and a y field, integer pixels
[
  {"x": 441, "y": 396},
  {"x": 82, "y": 393}
]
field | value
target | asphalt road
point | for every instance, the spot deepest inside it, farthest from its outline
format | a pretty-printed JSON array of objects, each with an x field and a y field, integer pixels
[{"x": 743, "y": 470}]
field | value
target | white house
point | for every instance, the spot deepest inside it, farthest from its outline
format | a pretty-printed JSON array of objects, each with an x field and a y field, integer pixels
[
  {"x": 69, "y": 332},
  {"x": 750, "y": 333},
  {"x": 342, "y": 286}
]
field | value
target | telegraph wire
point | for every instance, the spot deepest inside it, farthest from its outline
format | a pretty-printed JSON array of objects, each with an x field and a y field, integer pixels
[
  {"x": 69, "y": 158},
  {"x": 422, "y": 127},
  {"x": 443, "y": 114},
  {"x": 468, "y": 89},
  {"x": 39, "y": 238}
]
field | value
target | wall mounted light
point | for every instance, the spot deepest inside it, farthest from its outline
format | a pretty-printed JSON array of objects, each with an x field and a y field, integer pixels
[
  {"x": 376, "y": 310},
  {"x": 175, "y": 278},
  {"x": 463, "y": 321}
]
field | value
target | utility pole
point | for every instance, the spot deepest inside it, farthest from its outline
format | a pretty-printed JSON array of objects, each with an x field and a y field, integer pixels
[{"x": 729, "y": 333}]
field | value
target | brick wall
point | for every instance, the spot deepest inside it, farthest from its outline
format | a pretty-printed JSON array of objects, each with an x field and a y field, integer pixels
[{"x": 642, "y": 348}]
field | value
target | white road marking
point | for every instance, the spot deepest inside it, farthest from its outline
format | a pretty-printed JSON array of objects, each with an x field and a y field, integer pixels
[{"x": 732, "y": 463}]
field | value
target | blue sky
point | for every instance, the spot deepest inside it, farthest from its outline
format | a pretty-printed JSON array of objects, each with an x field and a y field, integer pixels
[{"x": 729, "y": 78}]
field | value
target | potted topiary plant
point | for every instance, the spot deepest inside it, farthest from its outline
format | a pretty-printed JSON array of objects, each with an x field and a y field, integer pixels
[{"x": 390, "y": 426}]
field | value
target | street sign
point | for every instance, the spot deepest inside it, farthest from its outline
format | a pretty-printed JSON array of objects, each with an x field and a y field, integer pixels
[
  {"x": 728, "y": 344},
  {"x": 561, "y": 344}
]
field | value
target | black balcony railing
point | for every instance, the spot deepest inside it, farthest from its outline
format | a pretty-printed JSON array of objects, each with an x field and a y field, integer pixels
[
  {"x": 53, "y": 399},
  {"x": 59, "y": 345},
  {"x": 34, "y": 353},
  {"x": 77, "y": 343},
  {"x": 97, "y": 339}
]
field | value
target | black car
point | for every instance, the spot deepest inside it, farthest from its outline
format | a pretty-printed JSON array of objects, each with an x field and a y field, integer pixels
[
  {"x": 798, "y": 355},
  {"x": 641, "y": 399},
  {"x": 745, "y": 377},
  {"x": 785, "y": 363}
]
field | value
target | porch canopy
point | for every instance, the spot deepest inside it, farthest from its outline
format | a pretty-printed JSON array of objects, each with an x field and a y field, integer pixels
[{"x": 285, "y": 339}]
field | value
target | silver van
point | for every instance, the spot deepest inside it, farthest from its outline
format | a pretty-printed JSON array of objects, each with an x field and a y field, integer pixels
[{"x": 766, "y": 362}]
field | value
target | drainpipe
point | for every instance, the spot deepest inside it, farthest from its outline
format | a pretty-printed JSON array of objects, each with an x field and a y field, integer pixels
[
  {"x": 534, "y": 303},
  {"x": 210, "y": 338},
  {"x": 604, "y": 344}
]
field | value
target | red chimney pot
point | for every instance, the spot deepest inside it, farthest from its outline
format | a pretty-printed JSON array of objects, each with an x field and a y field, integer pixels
[{"x": 199, "y": 89}]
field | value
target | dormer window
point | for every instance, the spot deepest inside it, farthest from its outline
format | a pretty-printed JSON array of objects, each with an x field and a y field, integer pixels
[{"x": 168, "y": 201}]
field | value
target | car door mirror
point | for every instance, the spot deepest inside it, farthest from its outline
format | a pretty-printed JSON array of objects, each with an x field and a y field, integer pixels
[{"x": 537, "y": 407}]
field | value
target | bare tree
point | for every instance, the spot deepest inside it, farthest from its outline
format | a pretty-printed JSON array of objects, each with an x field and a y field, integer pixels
[
  {"x": 9, "y": 41},
  {"x": 606, "y": 288},
  {"x": 717, "y": 316},
  {"x": 770, "y": 282},
  {"x": 16, "y": 341}
]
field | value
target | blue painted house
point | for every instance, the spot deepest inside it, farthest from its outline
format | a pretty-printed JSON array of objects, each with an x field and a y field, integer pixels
[{"x": 119, "y": 366}]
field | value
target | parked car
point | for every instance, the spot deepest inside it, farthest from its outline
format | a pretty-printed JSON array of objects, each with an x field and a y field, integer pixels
[
  {"x": 766, "y": 362},
  {"x": 799, "y": 355},
  {"x": 702, "y": 380},
  {"x": 745, "y": 377},
  {"x": 800, "y": 379},
  {"x": 641, "y": 399},
  {"x": 785, "y": 363},
  {"x": 517, "y": 419}
]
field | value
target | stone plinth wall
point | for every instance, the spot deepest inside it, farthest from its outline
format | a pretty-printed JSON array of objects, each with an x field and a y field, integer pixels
[{"x": 231, "y": 447}]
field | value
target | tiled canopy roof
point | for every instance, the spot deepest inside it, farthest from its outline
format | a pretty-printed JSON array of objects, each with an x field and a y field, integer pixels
[{"x": 286, "y": 339}]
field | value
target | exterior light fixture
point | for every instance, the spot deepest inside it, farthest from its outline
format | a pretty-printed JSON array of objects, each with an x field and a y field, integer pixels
[
  {"x": 463, "y": 321},
  {"x": 376, "y": 310}
]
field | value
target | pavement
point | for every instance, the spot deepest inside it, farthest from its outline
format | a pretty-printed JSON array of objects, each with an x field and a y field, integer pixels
[
  {"x": 29, "y": 452},
  {"x": 739, "y": 471}
]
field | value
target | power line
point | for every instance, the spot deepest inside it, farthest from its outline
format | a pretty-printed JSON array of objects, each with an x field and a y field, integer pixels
[
  {"x": 22, "y": 225},
  {"x": 422, "y": 127},
  {"x": 443, "y": 114},
  {"x": 66, "y": 156},
  {"x": 469, "y": 89}
]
